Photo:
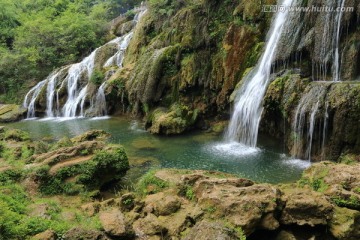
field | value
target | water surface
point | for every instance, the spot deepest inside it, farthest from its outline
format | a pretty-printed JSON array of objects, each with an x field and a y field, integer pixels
[{"x": 196, "y": 150}]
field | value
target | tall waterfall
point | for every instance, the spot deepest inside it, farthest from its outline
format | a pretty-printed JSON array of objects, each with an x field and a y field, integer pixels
[
  {"x": 69, "y": 91},
  {"x": 244, "y": 123}
]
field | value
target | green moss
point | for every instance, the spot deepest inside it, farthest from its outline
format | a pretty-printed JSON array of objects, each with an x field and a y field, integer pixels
[
  {"x": 316, "y": 179},
  {"x": 16, "y": 135},
  {"x": 150, "y": 184},
  {"x": 10, "y": 176},
  {"x": 238, "y": 231},
  {"x": 352, "y": 202},
  {"x": 105, "y": 166},
  {"x": 97, "y": 77}
]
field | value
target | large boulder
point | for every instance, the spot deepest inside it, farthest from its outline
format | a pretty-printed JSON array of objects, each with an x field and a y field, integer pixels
[
  {"x": 345, "y": 224},
  {"x": 11, "y": 113},
  {"x": 176, "y": 120},
  {"x": 305, "y": 207}
]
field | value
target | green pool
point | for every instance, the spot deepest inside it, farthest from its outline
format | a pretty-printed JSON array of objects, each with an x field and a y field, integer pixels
[{"x": 196, "y": 150}]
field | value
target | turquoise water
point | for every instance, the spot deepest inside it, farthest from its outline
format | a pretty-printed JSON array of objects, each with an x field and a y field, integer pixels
[{"x": 196, "y": 150}]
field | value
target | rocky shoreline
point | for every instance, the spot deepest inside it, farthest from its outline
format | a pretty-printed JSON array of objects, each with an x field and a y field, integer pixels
[{"x": 61, "y": 186}]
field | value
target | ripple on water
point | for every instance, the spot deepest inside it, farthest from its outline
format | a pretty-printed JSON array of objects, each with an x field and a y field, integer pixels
[
  {"x": 298, "y": 163},
  {"x": 232, "y": 149}
]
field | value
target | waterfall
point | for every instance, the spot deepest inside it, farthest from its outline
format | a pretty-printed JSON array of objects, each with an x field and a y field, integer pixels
[
  {"x": 336, "y": 63},
  {"x": 76, "y": 72},
  {"x": 306, "y": 119},
  {"x": 326, "y": 119},
  {"x": 75, "y": 81},
  {"x": 244, "y": 123},
  {"x": 330, "y": 43},
  {"x": 34, "y": 93},
  {"x": 122, "y": 44},
  {"x": 100, "y": 101}
]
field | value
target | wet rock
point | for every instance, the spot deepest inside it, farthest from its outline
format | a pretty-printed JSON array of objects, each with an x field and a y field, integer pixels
[
  {"x": 47, "y": 235},
  {"x": 12, "y": 113},
  {"x": 124, "y": 28},
  {"x": 177, "y": 120},
  {"x": 91, "y": 135}
]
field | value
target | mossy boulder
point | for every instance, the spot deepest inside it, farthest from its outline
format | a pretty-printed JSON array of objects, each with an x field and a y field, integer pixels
[
  {"x": 12, "y": 113},
  {"x": 80, "y": 173},
  {"x": 176, "y": 120},
  {"x": 339, "y": 182},
  {"x": 345, "y": 224}
]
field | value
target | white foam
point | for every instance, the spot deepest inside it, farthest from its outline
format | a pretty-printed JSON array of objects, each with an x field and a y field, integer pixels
[
  {"x": 100, "y": 118},
  {"x": 298, "y": 163},
  {"x": 234, "y": 149}
]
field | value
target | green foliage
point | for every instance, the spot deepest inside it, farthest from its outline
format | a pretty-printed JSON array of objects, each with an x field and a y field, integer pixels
[
  {"x": 352, "y": 202},
  {"x": 97, "y": 77},
  {"x": 16, "y": 135},
  {"x": 105, "y": 166},
  {"x": 10, "y": 176},
  {"x": 210, "y": 209},
  {"x": 63, "y": 142},
  {"x": 190, "y": 193},
  {"x": 38, "y": 36},
  {"x": 239, "y": 232},
  {"x": 150, "y": 184}
]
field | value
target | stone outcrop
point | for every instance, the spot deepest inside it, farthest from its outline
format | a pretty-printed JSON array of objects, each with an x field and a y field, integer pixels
[
  {"x": 11, "y": 113},
  {"x": 337, "y": 103},
  {"x": 207, "y": 205}
]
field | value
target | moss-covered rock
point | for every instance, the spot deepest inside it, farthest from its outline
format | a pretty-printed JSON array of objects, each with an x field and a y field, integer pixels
[
  {"x": 337, "y": 101},
  {"x": 176, "y": 120},
  {"x": 11, "y": 113}
]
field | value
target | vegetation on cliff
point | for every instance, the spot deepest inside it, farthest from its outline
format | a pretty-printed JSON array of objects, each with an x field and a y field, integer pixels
[{"x": 38, "y": 36}]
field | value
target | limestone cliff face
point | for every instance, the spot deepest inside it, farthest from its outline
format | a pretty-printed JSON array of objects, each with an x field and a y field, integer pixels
[{"x": 191, "y": 53}]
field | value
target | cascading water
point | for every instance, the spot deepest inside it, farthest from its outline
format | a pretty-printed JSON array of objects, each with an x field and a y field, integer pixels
[
  {"x": 34, "y": 93},
  {"x": 75, "y": 81},
  {"x": 329, "y": 49},
  {"x": 307, "y": 117},
  {"x": 122, "y": 44},
  {"x": 76, "y": 72},
  {"x": 50, "y": 94},
  {"x": 100, "y": 101},
  {"x": 336, "y": 63},
  {"x": 244, "y": 123},
  {"x": 325, "y": 126}
]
